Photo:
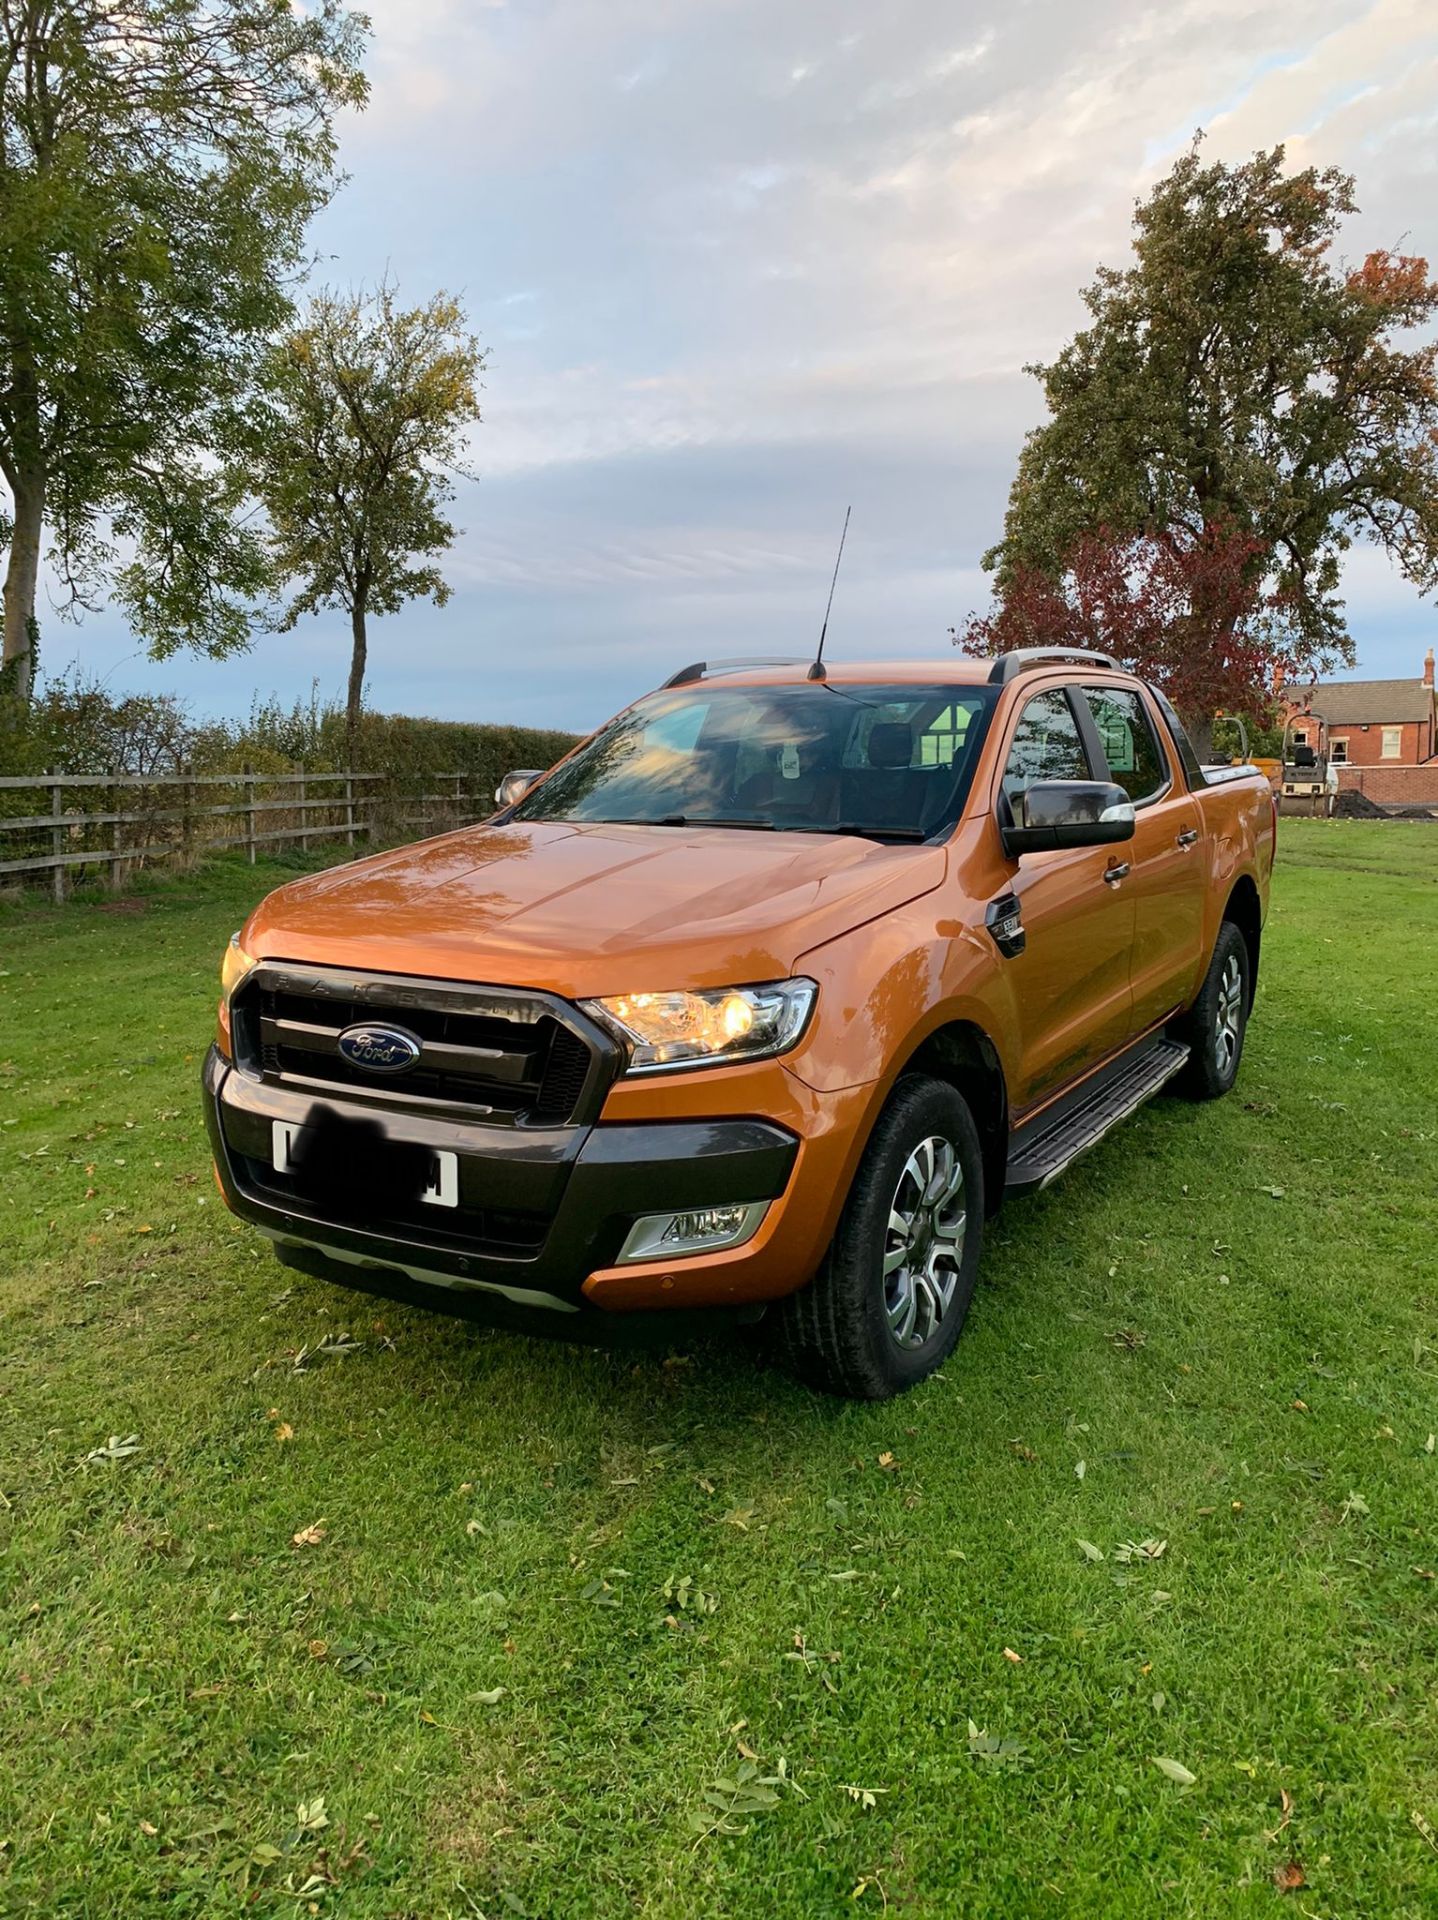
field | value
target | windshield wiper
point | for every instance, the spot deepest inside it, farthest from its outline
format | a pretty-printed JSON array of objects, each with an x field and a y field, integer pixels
[
  {"x": 863, "y": 832},
  {"x": 694, "y": 820}
]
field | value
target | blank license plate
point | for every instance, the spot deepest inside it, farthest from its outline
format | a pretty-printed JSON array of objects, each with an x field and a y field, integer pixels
[{"x": 442, "y": 1189}]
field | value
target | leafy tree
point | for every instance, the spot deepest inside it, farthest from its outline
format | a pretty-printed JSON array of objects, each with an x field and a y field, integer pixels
[
  {"x": 1192, "y": 614},
  {"x": 1236, "y": 379},
  {"x": 159, "y": 160},
  {"x": 370, "y": 406}
]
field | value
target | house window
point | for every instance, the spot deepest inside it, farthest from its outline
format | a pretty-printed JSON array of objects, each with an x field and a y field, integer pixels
[
  {"x": 1393, "y": 743},
  {"x": 1300, "y": 736},
  {"x": 1340, "y": 752}
]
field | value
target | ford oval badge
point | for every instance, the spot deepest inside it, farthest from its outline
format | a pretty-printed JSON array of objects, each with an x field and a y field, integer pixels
[{"x": 379, "y": 1049}]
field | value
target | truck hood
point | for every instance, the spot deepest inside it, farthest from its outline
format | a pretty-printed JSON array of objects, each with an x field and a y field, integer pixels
[{"x": 583, "y": 909}]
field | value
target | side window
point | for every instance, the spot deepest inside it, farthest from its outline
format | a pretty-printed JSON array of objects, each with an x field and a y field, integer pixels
[
  {"x": 1135, "y": 759},
  {"x": 1046, "y": 745},
  {"x": 1193, "y": 772},
  {"x": 942, "y": 740}
]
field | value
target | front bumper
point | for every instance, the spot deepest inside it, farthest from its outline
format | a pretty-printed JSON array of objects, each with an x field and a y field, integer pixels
[{"x": 542, "y": 1211}]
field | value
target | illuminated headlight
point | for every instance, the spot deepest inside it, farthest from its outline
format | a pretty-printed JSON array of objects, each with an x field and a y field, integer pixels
[
  {"x": 233, "y": 968},
  {"x": 663, "y": 1031},
  {"x": 670, "y": 1236}
]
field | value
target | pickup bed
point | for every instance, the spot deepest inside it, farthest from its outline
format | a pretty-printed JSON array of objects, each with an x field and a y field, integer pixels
[{"x": 760, "y": 1002}]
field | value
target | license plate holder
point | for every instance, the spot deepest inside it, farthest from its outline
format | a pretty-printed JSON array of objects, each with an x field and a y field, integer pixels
[{"x": 440, "y": 1189}]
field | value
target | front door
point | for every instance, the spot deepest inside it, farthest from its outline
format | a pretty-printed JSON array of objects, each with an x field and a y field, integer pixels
[
  {"x": 1165, "y": 855},
  {"x": 1071, "y": 989}
]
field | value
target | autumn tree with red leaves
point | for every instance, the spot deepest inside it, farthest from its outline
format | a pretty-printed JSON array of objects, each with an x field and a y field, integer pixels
[
  {"x": 1190, "y": 614},
  {"x": 1240, "y": 411}
]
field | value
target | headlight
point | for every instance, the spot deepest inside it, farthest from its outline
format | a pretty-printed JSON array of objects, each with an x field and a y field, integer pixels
[
  {"x": 664, "y": 1031},
  {"x": 233, "y": 968}
]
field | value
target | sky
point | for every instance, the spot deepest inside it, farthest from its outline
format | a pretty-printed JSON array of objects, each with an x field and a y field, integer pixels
[{"x": 741, "y": 265}]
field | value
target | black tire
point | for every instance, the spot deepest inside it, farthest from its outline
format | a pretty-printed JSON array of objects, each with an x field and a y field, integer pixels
[
  {"x": 1215, "y": 1025},
  {"x": 839, "y": 1332}
]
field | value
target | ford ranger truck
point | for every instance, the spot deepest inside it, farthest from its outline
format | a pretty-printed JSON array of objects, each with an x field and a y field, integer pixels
[{"x": 760, "y": 1001}]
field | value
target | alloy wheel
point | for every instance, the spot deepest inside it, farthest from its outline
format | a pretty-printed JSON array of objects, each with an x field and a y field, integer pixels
[
  {"x": 1228, "y": 1019},
  {"x": 924, "y": 1243}
]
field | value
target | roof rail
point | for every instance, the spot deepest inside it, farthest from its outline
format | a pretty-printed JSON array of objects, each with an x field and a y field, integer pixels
[
  {"x": 1019, "y": 660},
  {"x": 700, "y": 668}
]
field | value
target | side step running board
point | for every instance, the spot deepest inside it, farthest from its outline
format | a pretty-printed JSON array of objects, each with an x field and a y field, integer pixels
[{"x": 1037, "y": 1158}]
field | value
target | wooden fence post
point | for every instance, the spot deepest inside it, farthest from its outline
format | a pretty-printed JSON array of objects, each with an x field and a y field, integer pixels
[
  {"x": 349, "y": 807},
  {"x": 304, "y": 811},
  {"x": 249, "y": 812},
  {"x": 187, "y": 817},
  {"x": 57, "y": 840},
  {"x": 117, "y": 837}
]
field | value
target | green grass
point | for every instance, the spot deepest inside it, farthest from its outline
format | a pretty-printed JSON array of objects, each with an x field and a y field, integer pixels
[{"x": 1220, "y": 1332}]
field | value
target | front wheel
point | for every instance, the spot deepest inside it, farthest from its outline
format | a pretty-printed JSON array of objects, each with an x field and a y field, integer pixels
[
  {"x": 1217, "y": 1022},
  {"x": 886, "y": 1306}
]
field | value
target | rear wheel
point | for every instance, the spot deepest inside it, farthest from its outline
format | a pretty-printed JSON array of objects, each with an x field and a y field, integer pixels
[
  {"x": 1217, "y": 1022},
  {"x": 886, "y": 1306}
]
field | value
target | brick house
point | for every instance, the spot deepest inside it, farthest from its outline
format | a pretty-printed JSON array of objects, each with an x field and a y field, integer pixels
[{"x": 1382, "y": 734}]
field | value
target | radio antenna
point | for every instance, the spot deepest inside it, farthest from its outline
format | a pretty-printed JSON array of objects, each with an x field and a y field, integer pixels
[{"x": 816, "y": 672}]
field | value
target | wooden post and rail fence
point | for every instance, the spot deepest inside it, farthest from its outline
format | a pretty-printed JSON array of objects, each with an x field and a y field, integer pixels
[{"x": 111, "y": 824}]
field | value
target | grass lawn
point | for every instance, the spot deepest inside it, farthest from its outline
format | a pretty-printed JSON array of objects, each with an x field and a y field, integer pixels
[{"x": 557, "y": 1604}]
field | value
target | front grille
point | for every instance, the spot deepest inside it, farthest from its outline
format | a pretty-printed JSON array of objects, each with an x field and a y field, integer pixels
[{"x": 512, "y": 1059}]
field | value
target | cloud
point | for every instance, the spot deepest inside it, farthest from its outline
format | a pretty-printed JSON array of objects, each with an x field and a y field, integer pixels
[{"x": 740, "y": 264}]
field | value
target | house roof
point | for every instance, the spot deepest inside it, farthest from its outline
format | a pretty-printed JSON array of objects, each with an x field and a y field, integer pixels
[{"x": 1366, "y": 702}]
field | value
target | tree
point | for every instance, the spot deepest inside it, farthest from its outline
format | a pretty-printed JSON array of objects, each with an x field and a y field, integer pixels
[
  {"x": 159, "y": 160},
  {"x": 369, "y": 409},
  {"x": 1236, "y": 379},
  {"x": 1190, "y": 613}
]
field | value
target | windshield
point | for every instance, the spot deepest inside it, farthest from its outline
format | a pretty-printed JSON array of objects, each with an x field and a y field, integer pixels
[{"x": 886, "y": 762}]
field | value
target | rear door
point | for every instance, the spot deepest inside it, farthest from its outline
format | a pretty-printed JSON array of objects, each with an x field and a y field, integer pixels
[
  {"x": 1071, "y": 983},
  {"x": 1166, "y": 878}
]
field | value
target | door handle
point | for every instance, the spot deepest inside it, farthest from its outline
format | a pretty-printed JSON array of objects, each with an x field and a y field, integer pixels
[
  {"x": 1188, "y": 837},
  {"x": 1112, "y": 875}
]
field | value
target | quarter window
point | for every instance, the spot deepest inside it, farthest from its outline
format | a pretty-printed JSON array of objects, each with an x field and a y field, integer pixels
[
  {"x": 1135, "y": 760},
  {"x": 1047, "y": 744}
]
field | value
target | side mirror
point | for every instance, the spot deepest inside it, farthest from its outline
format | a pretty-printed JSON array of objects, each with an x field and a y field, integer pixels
[
  {"x": 514, "y": 786},
  {"x": 1067, "y": 813}
]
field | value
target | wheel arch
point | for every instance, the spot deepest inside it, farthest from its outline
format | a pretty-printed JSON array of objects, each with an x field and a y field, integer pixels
[
  {"x": 1244, "y": 910},
  {"x": 961, "y": 1053}
]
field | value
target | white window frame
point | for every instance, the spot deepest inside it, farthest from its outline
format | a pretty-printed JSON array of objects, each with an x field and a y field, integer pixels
[
  {"x": 1392, "y": 748},
  {"x": 1340, "y": 750}
]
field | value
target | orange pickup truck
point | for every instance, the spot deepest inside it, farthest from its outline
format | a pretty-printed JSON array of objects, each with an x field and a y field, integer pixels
[{"x": 760, "y": 1001}]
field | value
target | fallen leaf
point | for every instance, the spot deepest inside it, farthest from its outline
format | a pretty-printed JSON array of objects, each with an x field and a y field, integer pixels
[
  {"x": 284, "y": 1431},
  {"x": 888, "y": 1462},
  {"x": 1174, "y": 1770},
  {"x": 309, "y": 1536},
  {"x": 1017, "y": 1658},
  {"x": 1289, "y": 1877},
  {"x": 1286, "y": 1799},
  {"x": 739, "y": 1517},
  {"x": 1090, "y": 1551},
  {"x": 490, "y": 1699},
  {"x": 146, "y": 1828}
]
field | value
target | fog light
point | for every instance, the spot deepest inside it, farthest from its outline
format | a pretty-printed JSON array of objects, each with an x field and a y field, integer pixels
[{"x": 669, "y": 1236}]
